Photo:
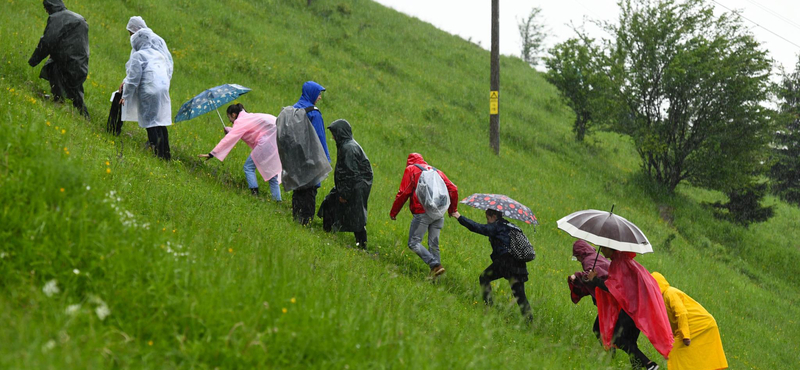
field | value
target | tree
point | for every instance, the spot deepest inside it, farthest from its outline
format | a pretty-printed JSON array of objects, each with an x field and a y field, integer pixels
[
  {"x": 532, "y": 34},
  {"x": 688, "y": 87},
  {"x": 569, "y": 70},
  {"x": 744, "y": 205},
  {"x": 785, "y": 172}
]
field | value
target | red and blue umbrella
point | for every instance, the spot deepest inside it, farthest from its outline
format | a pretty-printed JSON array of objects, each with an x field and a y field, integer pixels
[{"x": 498, "y": 202}]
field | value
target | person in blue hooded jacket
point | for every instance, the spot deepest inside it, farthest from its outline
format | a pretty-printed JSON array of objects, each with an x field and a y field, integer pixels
[{"x": 304, "y": 201}]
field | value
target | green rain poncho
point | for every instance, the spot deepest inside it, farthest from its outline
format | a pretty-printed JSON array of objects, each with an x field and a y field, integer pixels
[
  {"x": 353, "y": 178},
  {"x": 66, "y": 41}
]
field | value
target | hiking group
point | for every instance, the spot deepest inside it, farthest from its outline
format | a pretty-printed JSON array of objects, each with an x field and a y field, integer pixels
[{"x": 291, "y": 149}]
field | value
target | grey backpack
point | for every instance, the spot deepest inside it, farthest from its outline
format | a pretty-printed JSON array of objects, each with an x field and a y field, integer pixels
[{"x": 432, "y": 192}]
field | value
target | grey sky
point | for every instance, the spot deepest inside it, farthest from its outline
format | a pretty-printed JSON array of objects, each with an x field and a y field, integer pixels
[{"x": 472, "y": 19}]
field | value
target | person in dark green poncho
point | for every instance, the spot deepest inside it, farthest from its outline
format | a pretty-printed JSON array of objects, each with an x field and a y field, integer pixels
[
  {"x": 353, "y": 181},
  {"x": 66, "y": 41}
]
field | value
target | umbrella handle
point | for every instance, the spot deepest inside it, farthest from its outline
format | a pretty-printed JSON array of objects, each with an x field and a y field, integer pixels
[
  {"x": 220, "y": 118},
  {"x": 595, "y": 259}
]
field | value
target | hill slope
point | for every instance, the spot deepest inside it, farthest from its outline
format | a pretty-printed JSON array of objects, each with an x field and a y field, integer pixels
[{"x": 197, "y": 274}]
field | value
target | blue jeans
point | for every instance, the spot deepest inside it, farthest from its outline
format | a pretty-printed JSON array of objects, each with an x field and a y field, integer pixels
[
  {"x": 420, "y": 225},
  {"x": 252, "y": 180}
]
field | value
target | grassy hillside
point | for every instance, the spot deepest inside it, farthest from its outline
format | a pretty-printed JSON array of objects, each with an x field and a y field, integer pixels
[{"x": 195, "y": 273}]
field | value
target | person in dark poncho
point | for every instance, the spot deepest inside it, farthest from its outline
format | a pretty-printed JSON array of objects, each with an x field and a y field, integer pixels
[
  {"x": 503, "y": 264},
  {"x": 66, "y": 41},
  {"x": 591, "y": 261},
  {"x": 353, "y": 181}
]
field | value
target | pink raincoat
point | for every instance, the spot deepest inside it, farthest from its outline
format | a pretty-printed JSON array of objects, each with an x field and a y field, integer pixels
[{"x": 258, "y": 131}]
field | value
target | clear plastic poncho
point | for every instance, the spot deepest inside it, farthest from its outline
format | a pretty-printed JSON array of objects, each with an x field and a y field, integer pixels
[{"x": 146, "y": 86}]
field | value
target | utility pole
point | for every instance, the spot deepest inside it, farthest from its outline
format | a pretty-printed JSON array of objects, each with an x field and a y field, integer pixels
[{"x": 494, "y": 94}]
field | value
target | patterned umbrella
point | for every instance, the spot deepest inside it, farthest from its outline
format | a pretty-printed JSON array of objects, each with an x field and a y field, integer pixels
[
  {"x": 209, "y": 100},
  {"x": 498, "y": 202}
]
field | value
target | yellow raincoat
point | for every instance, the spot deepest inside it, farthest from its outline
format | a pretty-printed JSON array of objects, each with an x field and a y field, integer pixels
[{"x": 689, "y": 320}]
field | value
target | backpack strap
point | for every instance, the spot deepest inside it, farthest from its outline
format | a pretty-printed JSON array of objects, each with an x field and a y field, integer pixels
[
  {"x": 423, "y": 169},
  {"x": 309, "y": 109}
]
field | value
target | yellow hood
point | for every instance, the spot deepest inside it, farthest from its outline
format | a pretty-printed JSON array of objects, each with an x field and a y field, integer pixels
[{"x": 662, "y": 282}]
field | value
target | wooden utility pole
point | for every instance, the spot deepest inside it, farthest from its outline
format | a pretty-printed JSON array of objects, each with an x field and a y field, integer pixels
[{"x": 494, "y": 95}]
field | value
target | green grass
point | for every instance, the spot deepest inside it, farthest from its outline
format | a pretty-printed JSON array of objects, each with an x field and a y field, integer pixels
[{"x": 197, "y": 274}]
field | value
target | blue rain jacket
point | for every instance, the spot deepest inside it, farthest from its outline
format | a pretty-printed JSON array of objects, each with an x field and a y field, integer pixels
[{"x": 311, "y": 91}]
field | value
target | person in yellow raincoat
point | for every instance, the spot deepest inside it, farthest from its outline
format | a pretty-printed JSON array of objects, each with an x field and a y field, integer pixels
[{"x": 697, "y": 342}]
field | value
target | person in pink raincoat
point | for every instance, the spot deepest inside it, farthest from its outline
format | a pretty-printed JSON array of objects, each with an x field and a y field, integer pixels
[{"x": 258, "y": 131}]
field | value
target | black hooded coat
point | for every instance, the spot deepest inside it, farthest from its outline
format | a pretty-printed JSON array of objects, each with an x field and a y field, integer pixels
[
  {"x": 352, "y": 177},
  {"x": 66, "y": 41}
]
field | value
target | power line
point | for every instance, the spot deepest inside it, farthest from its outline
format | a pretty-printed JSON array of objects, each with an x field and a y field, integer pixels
[
  {"x": 747, "y": 19},
  {"x": 776, "y": 14}
]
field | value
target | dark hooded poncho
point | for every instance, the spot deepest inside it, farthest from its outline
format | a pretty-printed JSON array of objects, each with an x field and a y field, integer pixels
[
  {"x": 66, "y": 41},
  {"x": 353, "y": 178}
]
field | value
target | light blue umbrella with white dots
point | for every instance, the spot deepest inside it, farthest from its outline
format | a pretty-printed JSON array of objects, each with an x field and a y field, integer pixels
[{"x": 209, "y": 100}]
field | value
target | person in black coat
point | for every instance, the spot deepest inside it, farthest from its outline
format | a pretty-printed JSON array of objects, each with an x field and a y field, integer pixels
[
  {"x": 503, "y": 264},
  {"x": 353, "y": 181},
  {"x": 66, "y": 41}
]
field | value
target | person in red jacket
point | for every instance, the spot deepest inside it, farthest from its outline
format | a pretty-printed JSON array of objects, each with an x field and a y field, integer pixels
[{"x": 422, "y": 223}]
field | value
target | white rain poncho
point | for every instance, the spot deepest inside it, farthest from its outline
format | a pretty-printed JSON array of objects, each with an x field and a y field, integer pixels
[{"x": 146, "y": 86}]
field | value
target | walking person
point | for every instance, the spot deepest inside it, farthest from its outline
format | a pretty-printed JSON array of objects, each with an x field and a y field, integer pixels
[
  {"x": 629, "y": 302},
  {"x": 422, "y": 223},
  {"x": 503, "y": 265},
  {"x": 304, "y": 200},
  {"x": 258, "y": 131},
  {"x": 352, "y": 177},
  {"x": 66, "y": 41},
  {"x": 698, "y": 345},
  {"x": 590, "y": 261},
  {"x": 145, "y": 90}
]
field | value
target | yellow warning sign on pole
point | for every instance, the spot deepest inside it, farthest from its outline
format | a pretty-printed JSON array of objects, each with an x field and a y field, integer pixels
[{"x": 493, "y": 103}]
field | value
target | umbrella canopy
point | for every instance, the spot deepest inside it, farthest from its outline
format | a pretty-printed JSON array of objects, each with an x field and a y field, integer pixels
[
  {"x": 606, "y": 229},
  {"x": 498, "y": 202},
  {"x": 209, "y": 100}
]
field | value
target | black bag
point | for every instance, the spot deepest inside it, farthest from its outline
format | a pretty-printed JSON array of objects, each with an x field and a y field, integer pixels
[
  {"x": 328, "y": 211},
  {"x": 114, "y": 125},
  {"x": 519, "y": 246}
]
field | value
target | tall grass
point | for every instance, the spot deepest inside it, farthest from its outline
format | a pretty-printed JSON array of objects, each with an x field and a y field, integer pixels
[{"x": 197, "y": 274}]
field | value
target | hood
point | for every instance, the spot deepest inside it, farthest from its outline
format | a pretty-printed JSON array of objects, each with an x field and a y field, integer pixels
[
  {"x": 135, "y": 24},
  {"x": 143, "y": 39},
  {"x": 662, "y": 282},
  {"x": 341, "y": 131},
  {"x": 582, "y": 250},
  {"x": 415, "y": 158},
  {"x": 311, "y": 91},
  {"x": 53, "y": 6}
]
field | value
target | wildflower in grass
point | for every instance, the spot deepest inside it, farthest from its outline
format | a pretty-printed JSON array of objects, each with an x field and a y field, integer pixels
[
  {"x": 76, "y": 271},
  {"x": 62, "y": 190},
  {"x": 3, "y": 255},
  {"x": 108, "y": 170},
  {"x": 102, "y": 312},
  {"x": 108, "y": 163},
  {"x": 150, "y": 343},
  {"x": 63, "y": 132},
  {"x": 293, "y": 300},
  {"x": 51, "y": 288},
  {"x": 49, "y": 345},
  {"x": 48, "y": 123},
  {"x": 230, "y": 250},
  {"x": 73, "y": 309},
  {"x": 284, "y": 310}
]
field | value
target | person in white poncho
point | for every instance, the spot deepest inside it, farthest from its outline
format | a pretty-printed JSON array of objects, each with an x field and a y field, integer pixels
[{"x": 145, "y": 90}]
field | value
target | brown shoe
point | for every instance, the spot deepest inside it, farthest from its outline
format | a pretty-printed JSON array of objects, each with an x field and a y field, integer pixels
[{"x": 437, "y": 270}]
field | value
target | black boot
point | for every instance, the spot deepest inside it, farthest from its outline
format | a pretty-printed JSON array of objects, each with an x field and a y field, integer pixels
[{"x": 254, "y": 191}]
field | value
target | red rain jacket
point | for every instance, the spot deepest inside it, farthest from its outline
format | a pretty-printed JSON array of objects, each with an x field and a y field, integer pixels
[
  {"x": 633, "y": 289},
  {"x": 408, "y": 187}
]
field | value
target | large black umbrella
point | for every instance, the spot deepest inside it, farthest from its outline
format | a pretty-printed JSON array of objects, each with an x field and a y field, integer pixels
[{"x": 606, "y": 229}]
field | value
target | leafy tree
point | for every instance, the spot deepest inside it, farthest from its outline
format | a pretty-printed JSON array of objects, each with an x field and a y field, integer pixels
[
  {"x": 532, "y": 32},
  {"x": 785, "y": 171},
  {"x": 687, "y": 86},
  {"x": 569, "y": 70},
  {"x": 743, "y": 206}
]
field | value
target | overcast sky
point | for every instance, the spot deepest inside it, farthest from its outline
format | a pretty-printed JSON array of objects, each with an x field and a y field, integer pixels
[{"x": 472, "y": 19}]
